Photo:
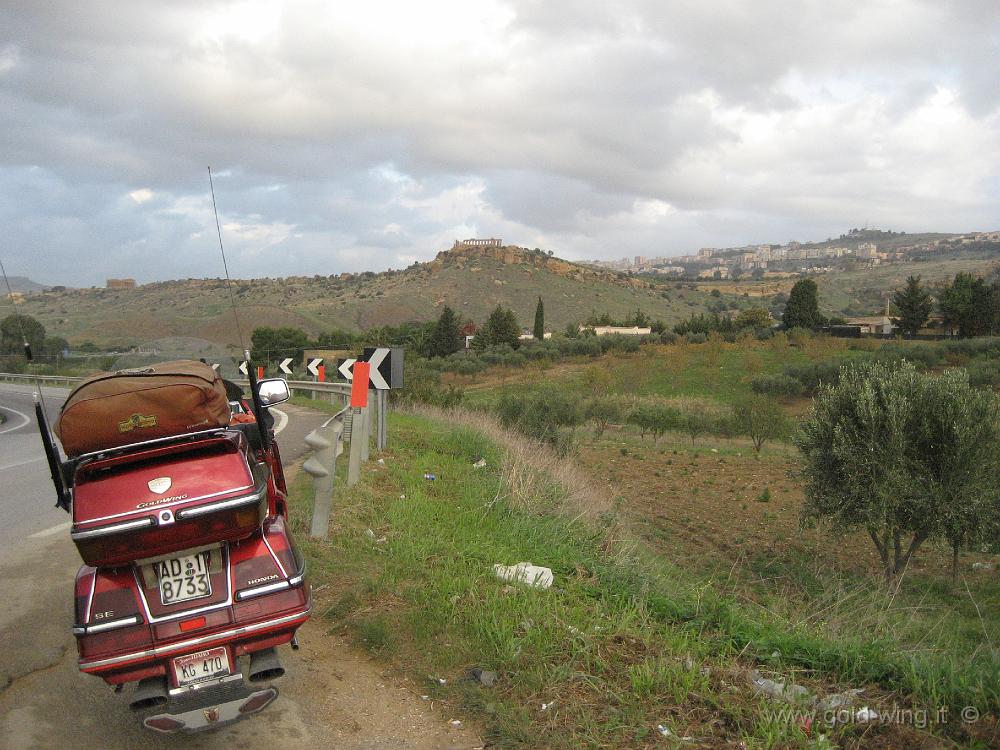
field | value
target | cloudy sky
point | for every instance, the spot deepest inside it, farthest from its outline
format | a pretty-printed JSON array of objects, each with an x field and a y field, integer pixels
[{"x": 352, "y": 136}]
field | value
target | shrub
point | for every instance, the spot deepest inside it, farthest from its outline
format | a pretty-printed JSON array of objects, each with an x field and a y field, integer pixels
[
  {"x": 984, "y": 373},
  {"x": 696, "y": 338},
  {"x": 542, "y": 414},
  {"x": 777, "y": 386}
]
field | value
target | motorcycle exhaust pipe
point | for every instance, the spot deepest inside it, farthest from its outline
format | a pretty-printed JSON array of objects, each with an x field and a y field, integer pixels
[
  {"x": 150, "y": 692},
  {"x": 265, "y": 665}
]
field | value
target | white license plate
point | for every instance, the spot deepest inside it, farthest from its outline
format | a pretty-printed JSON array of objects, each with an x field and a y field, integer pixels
[
  {"x": 205, "y": 665},
  {"x": 184, "y": 578}
]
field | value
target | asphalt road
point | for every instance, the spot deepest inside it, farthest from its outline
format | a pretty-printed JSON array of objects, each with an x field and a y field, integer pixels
[{"x": 27, "y": 499}]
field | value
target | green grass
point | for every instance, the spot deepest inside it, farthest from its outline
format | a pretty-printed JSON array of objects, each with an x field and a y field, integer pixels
[{"x": 622, "y": 642}]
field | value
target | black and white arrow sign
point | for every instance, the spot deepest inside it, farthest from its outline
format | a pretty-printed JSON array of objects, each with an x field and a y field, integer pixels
[
  {"x": 344, "y": 368},
  {"x": 283, "y": 365},
  {"x": 378, "y": 359},
  {"x": 243, "y": 368},
  {"x": 313, "y": 366}
]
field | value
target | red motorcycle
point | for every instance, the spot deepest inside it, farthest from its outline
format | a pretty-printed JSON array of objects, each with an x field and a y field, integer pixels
[{"x": 191, "y": 579}]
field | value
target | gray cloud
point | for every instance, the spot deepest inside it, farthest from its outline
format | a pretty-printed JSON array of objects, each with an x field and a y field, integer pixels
[{"x": 369, "y": 137}]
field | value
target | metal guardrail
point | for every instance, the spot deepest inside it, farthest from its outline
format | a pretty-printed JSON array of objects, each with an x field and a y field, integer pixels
[{"x": 332, "y": 392}]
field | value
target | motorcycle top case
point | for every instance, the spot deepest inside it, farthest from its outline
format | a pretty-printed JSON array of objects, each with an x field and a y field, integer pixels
[
  {"x": 112, "y": 409},
  {"x": 128, "y": 506}
]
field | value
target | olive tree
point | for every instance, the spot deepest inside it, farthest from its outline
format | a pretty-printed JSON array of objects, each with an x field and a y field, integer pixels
[
  {"x": 905, "y": 456},
  {"x": 761, "y": 419}
]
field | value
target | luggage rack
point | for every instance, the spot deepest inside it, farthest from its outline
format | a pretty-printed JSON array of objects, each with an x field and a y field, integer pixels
[{"x": 158, "y": 442}]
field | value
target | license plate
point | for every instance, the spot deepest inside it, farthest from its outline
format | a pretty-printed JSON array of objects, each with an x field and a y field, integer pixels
[
  {"x": 205, "y": 665},
  {"x": 184, "y": 578}
]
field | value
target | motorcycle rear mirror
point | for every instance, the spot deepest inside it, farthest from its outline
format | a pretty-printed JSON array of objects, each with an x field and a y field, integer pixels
[{"x": 273, "y": 391}]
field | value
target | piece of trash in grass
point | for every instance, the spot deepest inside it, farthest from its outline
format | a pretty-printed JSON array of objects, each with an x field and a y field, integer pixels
[
  {"x": 547, "y": 706},
  {"x": 439, "y": 680},
  {"x": 865, "y": 714},
  {"x": 982, "y": 566},
  {"x": 480, "y": 464},
  {"x": 665, "y": 731},
  {"x": 370, "y": 534},
  {"x": 402, "y": 497},
  {"x": 484, "y": 677},
  {"x": 455, "y": 723},
  {"x": 524, "y": 572},
  {"x": 790, "y": 693},
  {"x": 429, "y": 477},
  {"x": 381, "y": 462},
  {"x": 425, "y": 697}
]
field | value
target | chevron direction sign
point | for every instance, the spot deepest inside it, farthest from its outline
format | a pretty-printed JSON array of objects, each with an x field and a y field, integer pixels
[{"x": 386, "y": 367}]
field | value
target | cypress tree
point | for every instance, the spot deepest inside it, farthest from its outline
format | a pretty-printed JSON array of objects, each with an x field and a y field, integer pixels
[
  {"x": 445, "y": 339},
  {"x": 802, "y": 309},
  {"x": 539, "y": 330},
  {"x": 913, "y": 303}
]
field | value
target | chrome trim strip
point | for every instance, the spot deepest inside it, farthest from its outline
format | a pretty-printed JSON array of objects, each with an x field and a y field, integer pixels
[
  {"x": 188, "y": 612},
  {"x": 109, "y": 625},
  {"x": 90, "y": 599},
  {"x": 194, "y": 642},
  {"x": 284, "y": 573},
  {"x": 261, "y": 590},
  {"x": 112, "y": 529},
  {"x": 235, "y": 502},
  {"x": 171, "y": 505}
]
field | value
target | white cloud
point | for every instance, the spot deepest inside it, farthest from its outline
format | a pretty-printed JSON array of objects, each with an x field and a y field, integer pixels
[{"x": 345, "y": 137}]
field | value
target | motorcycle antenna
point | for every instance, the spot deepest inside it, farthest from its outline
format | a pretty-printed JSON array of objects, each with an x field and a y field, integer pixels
[
  {"x": 51, "y": 452},
  {"x": 229, "y": 282},
  {"x": 258, "y": 407}
]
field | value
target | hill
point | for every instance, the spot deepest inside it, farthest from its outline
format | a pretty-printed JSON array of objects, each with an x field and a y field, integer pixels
[
  {"x": 24, "y": 284},
  {"x": 471, "y": 281}
]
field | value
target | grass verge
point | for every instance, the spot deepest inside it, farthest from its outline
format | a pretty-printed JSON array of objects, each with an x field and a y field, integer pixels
[{"x": 622, "y": 644}]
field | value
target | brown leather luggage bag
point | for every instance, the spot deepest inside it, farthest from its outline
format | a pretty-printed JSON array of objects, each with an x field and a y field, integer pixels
[{"x": 112, "y": 409}]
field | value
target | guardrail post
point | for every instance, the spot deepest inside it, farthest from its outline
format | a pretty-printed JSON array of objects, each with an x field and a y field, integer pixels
[
  {"x": 357, "y": 438},
  {"x": 383, "y": 433},
  {"x": 322, "y": 466},
  {"x": 366, "y": 436}
]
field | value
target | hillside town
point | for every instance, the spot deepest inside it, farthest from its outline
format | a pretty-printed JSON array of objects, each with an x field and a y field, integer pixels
[{"x": 857, "y": 247}]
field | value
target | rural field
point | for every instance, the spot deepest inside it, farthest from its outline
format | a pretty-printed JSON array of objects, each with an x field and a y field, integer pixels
[{"x": 683, "y": 572}]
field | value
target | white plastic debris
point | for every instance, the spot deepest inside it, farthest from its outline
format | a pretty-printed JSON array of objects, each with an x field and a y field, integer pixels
[
  {"x": 982, "y": 566},
  {"x": 665, "y": 731},
  {"x": 455, "y": 723},
  {"x": 547, "y": 706},
  {"x": 370, "y": 534},
  {"x": 866, "y": 714},
  {"x": 439, "y": 680},
  {"x": 381, "y": 462},
  {"x": 789, "y": 693},
  {"x": 835, "y": 701},
  {"x": 480, "y": 464},
  {"x": 525, "y": 572}
]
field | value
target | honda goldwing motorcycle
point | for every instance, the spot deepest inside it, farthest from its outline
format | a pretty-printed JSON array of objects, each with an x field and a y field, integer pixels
[{"x": 191, "y": 579}]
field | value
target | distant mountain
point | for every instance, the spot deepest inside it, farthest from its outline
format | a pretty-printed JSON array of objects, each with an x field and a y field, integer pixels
[{"x": 24, "y": 284}]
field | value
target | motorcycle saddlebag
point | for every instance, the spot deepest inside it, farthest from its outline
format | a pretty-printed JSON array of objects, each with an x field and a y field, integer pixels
[{"x": 112, "y": 409}]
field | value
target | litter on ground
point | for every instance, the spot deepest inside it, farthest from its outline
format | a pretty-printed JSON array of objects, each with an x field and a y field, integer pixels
[{"x": 525, "y": 572}]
